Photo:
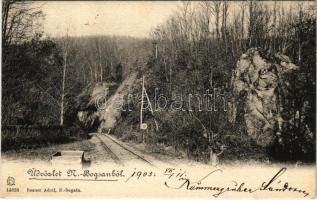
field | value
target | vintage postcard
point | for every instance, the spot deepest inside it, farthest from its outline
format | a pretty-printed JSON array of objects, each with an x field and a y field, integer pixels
[{"x": 158, "y": 99}]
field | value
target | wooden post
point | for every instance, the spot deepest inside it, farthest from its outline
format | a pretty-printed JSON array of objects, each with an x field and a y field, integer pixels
[
  {"x": 141, "y": 109},
  {"x": 142, "y": 97}
]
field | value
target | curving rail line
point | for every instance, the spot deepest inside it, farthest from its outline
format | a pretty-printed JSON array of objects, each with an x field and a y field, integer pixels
[
  {"x": 122, "y": 148},
  {"x": 108, "y": 150}
]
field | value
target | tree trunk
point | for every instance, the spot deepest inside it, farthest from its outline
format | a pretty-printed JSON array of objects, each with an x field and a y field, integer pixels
[{"x": 63, "y": 90}]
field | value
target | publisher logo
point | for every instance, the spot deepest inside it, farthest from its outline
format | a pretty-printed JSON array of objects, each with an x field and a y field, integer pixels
[{"x": 10, "y": 181}]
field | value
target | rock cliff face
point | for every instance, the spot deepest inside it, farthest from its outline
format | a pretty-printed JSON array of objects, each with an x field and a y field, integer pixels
[
  {"x": 257, "y": 88},
  {"x": 100, "y": 105},
  {"x": 89, "y": 101},
  {"x": 110, "y": 111}
]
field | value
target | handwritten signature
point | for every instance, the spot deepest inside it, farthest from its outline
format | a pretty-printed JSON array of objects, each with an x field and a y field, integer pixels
[{"x": 273, "y": 185}]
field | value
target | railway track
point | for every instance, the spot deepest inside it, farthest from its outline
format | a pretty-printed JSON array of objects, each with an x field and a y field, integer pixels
[
  {"x": 109, "y": 151},
  {"x": 119, "y": 152}
]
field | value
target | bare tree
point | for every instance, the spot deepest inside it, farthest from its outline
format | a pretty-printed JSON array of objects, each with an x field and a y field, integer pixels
[
  {"x": 65, "y": 46},
  {"x": 19, "y": 21},
  {"x": 206, "y": 14},
  {"x": 215, "y": 10},
  {"x": 225, "y": 7},
  {"x": 242, "y": 8}
]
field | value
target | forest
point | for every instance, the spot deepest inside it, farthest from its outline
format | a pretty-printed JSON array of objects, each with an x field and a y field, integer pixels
[{"x": 196, "y": 49}]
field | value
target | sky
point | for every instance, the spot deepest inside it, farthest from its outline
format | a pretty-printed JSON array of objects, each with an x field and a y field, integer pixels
[
  {"x": 135, "y": 19},
  {"x": 128, "y": 18}
]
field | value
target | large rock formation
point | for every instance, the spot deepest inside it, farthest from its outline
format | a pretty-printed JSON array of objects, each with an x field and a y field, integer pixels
[
  {"x": 89, "y": 101},
  {"x": 257, "y": 84},
  {"x": 100, "y": 105},
  {"x": 110, "y": 111}
]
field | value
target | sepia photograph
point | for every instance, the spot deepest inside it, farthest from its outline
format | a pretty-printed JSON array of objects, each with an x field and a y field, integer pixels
[{"x": 160, "y": 99}]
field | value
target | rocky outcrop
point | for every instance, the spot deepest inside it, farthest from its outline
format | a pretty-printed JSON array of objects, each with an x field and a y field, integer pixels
[
  {"x": 89, "y": 102},
  {"x": 100, "y": 105},
  {"x": 257, "y": 90},
  {"x": 110, "y": 111}
]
